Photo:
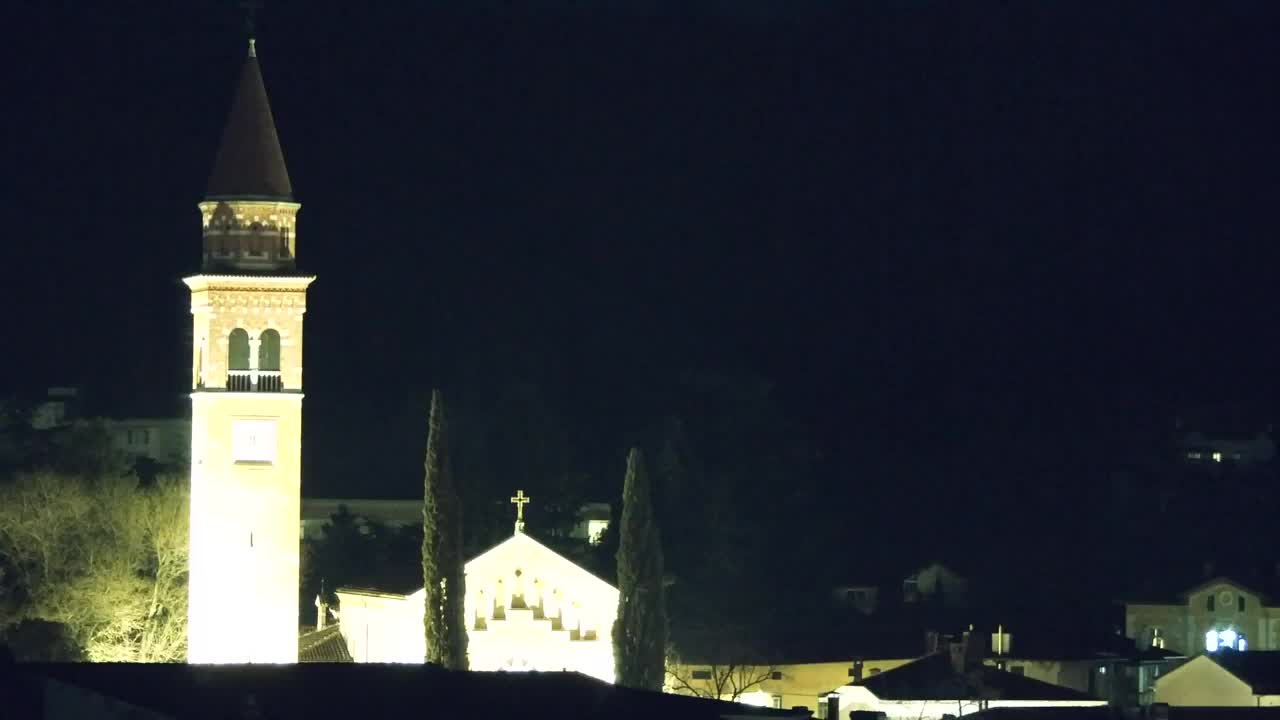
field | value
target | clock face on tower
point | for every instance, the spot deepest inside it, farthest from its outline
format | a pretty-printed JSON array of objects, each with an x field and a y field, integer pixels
[{"x": 253, "y": 441}]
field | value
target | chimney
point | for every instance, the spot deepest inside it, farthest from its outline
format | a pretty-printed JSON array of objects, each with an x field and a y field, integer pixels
[
  {"x": 855, "y": 672},
  {"x": 931, "y": 644},
  {"x": 974, "y": 651},
  {"x": 956, "y": 649},
  {"x": 1001, "y": 641},
  {"x": 322, "y": 608},
  {"x": 322, "y": 611}
]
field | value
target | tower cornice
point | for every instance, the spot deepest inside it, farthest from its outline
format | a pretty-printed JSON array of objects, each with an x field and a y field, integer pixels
[{"x": 213, "y": 281}]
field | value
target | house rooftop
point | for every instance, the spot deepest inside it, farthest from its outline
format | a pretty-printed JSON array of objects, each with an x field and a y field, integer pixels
[
  {"x": 1115, "y": 713},
  {"x": 934, "y": 678},
  {"x": 1260, "y": 669}
]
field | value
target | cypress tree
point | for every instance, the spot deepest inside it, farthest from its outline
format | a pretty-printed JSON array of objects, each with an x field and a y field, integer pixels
[
  {"x": 444, "y": 621},
  {"x": 640, "y": 632}
]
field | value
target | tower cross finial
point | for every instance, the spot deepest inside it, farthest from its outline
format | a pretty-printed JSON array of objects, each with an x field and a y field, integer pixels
[
  {"x": 520, "y": 500},
  {"x": 251, "y": 8}
]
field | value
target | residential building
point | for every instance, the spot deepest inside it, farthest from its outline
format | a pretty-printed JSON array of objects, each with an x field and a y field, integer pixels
[
  {"x": 948, "y": 684},
  {"x": 165, "y": 441},
  {"x": 1225, "y": 678}
]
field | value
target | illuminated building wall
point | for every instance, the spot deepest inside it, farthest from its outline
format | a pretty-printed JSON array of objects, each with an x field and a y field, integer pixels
[
  {"x": 245, "y": 476},
  {"x": 527, "y": 608},
  {"x": 1202, "y": 682},
  {"x": 1203, "y": 618},
  {"x": 786, "y": 685}
]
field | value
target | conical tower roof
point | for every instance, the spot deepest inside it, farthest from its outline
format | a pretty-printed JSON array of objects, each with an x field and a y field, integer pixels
[{"x": 250, "y": 163}]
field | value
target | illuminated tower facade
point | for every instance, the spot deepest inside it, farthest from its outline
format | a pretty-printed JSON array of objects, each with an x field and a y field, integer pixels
[{"x": 246, "y": 401}]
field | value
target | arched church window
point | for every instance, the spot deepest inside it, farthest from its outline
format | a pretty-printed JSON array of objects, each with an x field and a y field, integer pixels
[
  {"x": 238, "y": 350},
  {"x": 269, "y": 350}
]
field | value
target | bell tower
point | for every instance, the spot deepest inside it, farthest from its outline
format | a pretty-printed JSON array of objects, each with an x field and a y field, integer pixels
[{"x": 246, "y": 401}]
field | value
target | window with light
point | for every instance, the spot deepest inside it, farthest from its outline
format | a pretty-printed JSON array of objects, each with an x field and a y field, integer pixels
[{"x": 1229, "y": 639}]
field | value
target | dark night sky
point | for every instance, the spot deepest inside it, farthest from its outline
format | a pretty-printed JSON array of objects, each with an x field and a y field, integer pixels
[{"x": 942, "y": 229}]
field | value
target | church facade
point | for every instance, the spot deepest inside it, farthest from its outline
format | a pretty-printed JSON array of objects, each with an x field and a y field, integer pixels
[
  {"x": 1218, "y": 614},
  {"x": 247, "y": 304},
  {"x": 527, "y": 608}
]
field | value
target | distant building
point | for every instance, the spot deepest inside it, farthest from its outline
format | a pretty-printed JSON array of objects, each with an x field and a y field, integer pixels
[
  {"x": 933, "y": 584},
  {"x": 779, "y": 685},
  {"x": 60, "y": 408},
  {"x": 947, "y": 685},
  {"x": 316, "y": 512},
  {"x": 1243, "y": 449},
  {"x": 1122, "y": 674},
  {"x": 936, "y": 582},
  {"x": 165, "y": 441},
  {"x": 1218, "y": 614},
  {"x": 593, "y": 518},
  {"x": 861, "y": 597},
  {"x": 1224, "y": 435},
  {"x": 593, "y": 521}
]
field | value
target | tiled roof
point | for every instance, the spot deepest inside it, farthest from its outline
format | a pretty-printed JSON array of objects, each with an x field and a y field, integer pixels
[
  {"x": 323, "y": 646},
  {"x": 250, "y": 163},
  {"x": 934, "y": 678}
]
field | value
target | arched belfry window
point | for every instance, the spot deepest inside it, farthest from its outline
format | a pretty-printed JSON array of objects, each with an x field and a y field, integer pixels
[
  {"x": 269, "y": 350},
  {"x": 238, "y": 350},
  {"x": 238, "y": 375}
]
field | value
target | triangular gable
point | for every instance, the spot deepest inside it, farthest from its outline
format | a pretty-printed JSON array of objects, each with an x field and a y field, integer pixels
[
  {"x": 496, "y": 561},
  {"x": 1194, "y": 676},
  {"x": 1223, "y": 580}
]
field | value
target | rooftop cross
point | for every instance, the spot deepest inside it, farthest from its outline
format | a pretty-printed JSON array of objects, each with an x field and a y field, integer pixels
[
  {"x": 520, "y": 500},
  {"x": 251, "y": 8}
]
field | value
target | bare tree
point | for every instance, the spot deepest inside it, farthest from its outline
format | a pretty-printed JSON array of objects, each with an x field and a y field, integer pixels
[
  {"x": 728, "y": 678},
  {"x": 104, "y": 559}
]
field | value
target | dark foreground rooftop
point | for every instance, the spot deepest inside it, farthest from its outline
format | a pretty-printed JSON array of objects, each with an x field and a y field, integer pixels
[
  {"x": 266, "y": 692},
  {"x": 1113, "y": 713},
  {"x": 934, "y": 678}
]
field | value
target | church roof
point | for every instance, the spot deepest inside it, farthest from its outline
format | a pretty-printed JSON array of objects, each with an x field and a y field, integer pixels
[
  {"x": 521, "y": 538},
  {"x": 250, "y": 163},
  {"x": 323, "y": 646}
]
